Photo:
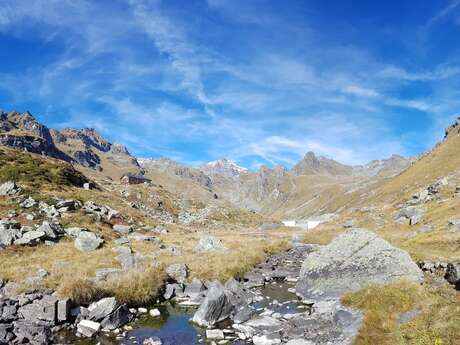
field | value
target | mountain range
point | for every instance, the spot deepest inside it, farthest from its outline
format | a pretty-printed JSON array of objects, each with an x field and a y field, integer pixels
[{"x": 311, "y": 187}]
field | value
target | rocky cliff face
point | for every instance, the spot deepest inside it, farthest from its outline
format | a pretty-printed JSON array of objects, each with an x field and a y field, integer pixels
[
  {"x": 223, "y": 168},
  {"x": 169, "y": 166},
  {"x": 23, "y": 131},
  {"x": 85, "y": 147},
  {"x": 312, "y": 164}
]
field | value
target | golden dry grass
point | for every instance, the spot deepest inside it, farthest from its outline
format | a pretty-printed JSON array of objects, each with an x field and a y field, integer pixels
[{"x": 437, "y": 323}]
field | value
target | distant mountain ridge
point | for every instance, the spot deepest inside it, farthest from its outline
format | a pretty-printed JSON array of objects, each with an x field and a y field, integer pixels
[{"x": 312, "y": 186}]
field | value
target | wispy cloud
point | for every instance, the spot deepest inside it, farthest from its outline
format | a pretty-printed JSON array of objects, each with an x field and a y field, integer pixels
[
  {"x": 446, "y": 11},
  {"x": 254, "y": 81}
]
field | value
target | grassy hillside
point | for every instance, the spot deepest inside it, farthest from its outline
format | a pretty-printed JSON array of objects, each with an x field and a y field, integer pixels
[{"x": 37, "y": 171}]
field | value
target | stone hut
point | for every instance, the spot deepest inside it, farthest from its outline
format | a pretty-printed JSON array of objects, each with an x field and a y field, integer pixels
[{"x": 130, "y": 178}]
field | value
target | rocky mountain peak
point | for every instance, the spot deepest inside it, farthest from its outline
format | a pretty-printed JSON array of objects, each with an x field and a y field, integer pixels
[
  {"x": 162, "y": 164},
  {"x": 312, "y": 164},
  {"x": 23, "y": 123},
  {"x": 89, "y": 136},
  {"x": 224, "y": 167}
]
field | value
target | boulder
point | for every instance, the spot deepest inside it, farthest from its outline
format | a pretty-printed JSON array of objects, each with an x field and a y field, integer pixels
[
  {"x": 6, "y": 333},
  {"x": 87, "y": 241},
  {"x": 9, "y": 188},
  {"x": 194, "y": 289},
  {"x": 88, "y": 328},
  {"x": 8, "y": 235},
  {"x": 209, "y": 244},
  {"x": 170, "y": 291},
  {"x": 122, "y": 229},
  {"x": 44, "y": 309},
  {"x": 352, "y": 260},
  {"x": 411, "y": 213},
  {"x": 31, "y": 237},
  {"x": 215, "y": 308},
  {"x": 52, "y": 230},
  {"x": 177, "y": 272},
  {"x": 102, "y": 308},
  {"x": 119, "y": 317},
  {"x": 214, "y": 334},
  {"x": 452, "y": 274},
  {"x": 68, "y": 205},
  {"x": 74, "y": 232},
  {"x": 28, "y": 332}
]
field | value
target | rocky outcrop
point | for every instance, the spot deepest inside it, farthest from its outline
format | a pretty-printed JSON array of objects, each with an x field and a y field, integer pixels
[
  {"x": 209, "y": 244},
  {"x": 9, "y": 188},
  {"x": 410, "y": 214},
  {"x": 79, "y": 146},
  {"x": 311, "y": 164},
  {"x": 30, "y": 317},
  {"x": 351, "y": 261}
]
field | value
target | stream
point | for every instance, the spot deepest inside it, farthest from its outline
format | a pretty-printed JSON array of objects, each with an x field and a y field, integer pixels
[
  {"x": 277, "y": 313},
  {"x": 174, "y": 326}
]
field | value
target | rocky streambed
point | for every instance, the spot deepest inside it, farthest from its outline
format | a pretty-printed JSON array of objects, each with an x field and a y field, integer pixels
[
  {"x": 292, "y": 298},
  {"x": 261, "y": 309}
]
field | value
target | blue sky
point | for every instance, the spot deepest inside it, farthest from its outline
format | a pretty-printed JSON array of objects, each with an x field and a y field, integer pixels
[{"x": 259, "y": 82}]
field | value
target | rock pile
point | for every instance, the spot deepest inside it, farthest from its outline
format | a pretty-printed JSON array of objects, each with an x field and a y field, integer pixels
[
  {"x": 429, "y": 193},
  {"x": 106, "y": 314},
  {"x": 32, "y": 317}
]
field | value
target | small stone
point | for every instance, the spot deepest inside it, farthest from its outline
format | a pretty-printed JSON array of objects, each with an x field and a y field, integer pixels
[
  {"x": 214, "y": 334},
  {"x": 154, "y": 312},
  {"x": 152, "y": 341}
]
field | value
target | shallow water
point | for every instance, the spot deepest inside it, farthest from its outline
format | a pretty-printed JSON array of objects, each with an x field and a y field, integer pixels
[{"x": 174, "y": 326}]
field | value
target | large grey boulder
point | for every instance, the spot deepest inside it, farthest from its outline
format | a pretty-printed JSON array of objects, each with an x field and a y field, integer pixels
[
  {"x": 215, "y": 308},
  {"x": 351, "y": 261},
  {"x": 209, "y": 244},
  {"x": 45, "y": 309},
  {"x": 87, "y": 241},
  {"x": 412, "y": 214},
  {"x": 9, "y": 188},
  {"x": 117, "y": 318},
  {"x": 102, "y": 308},
  {"x": 9, "y": 232},
  {"x": 28, "y": 332}
]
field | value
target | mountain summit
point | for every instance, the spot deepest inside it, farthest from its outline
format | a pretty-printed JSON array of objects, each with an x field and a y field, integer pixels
[{"x": 224, "y": 167}]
